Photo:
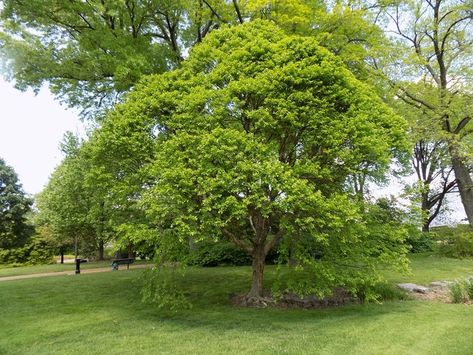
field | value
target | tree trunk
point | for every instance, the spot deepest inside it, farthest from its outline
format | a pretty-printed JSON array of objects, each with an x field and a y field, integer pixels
[
  {"x": 259, "y": 257},
  {"x": 101, "y": 250},
  {"x": 61, "y": 250},
  {"x": 131, "y": 253},
  {"x": 425, "y": 210},
  {"x": 464, "y": 183},
  {"x": 76, "y": 247},
  {"x": 426, "y": 226}
]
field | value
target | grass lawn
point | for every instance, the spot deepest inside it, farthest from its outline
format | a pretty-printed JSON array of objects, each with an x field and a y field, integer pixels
[
  {"x": 428, "y": 267},
  {"x": 102, "y": 314}
]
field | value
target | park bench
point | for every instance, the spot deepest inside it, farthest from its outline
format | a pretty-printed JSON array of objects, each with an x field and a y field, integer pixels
[{"x": 126, "y": 261}]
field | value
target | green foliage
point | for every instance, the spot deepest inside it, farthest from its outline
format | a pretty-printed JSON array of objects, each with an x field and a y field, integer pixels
[
  {"x": 469, "y": 287},
  {"x": 14, "y": 256},
  {"x": 381, "y": 292},
  {"x": 215, "y": 254},
  {"x": 40, "y": 251},
  {"x": 354, "y": 264},
  {"x": 74, "y": 208},
  {"x": 390, "y": 217},
  {"x": 160, "y": 289},
  {"x": 36, "y": 251},
  {"x": 432, "y": 74},
  {"x": 251, "y": 140},
  {"x": 14, "y": 207},
  {"x": 455, "y": 242},
  {"x": 459, "y": 291},
  {"x": 421, "y": 242},
  {"x": 91, "y": 52},
  {"x": 210, "y": 253}
]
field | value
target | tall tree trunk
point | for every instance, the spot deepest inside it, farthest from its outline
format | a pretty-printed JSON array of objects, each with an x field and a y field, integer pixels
[
  {"x": 425, "y": 210},
  {"x": 259, "y": 257},
  {"x": 465, "y": 184},
  {"x": 426, "y": 226},
  {"x": 76, "y": 247},
  {"x": 61, "y": 250},
  {"x": 101, "y": 250}
]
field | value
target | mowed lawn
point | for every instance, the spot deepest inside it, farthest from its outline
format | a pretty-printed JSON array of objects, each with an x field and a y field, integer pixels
[{"x": 102, "y": 314}]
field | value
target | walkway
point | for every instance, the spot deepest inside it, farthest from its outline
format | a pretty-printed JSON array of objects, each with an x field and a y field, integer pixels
[{"x": 70, "y": 272}]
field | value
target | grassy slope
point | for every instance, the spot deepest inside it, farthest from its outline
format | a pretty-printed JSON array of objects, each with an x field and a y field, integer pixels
[
  {"x": 101, "y": 313},
  {"x": 426, "y": 268}
]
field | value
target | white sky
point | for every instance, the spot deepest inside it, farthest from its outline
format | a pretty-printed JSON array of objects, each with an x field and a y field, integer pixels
[{"x": 31, "y": 128}]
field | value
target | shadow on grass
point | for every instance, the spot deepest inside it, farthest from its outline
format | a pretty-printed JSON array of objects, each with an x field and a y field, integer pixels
[{"x": 208, "y": 291}]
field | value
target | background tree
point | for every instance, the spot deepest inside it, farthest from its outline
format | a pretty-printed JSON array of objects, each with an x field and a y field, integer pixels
[
  {"x": 14, "y": 206},
  {"x": 434, "y": 178},
  {"x": 429, "y": 160},
  {"x": 437, "y": 38},
  {"x": 72, "y": 206},
  {"x": 255, "y": 136},
  {"x": 91, "y": 52}
]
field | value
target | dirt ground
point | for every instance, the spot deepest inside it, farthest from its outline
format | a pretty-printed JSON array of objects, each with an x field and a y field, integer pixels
[{"x": 435, "y": 294}]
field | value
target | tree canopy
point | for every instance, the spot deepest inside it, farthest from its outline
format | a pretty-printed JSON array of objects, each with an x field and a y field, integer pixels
[
  {"x": 73, "y": 205},
  {"x": 252, "y": 140},
  {"x": 91, "y": 52}
]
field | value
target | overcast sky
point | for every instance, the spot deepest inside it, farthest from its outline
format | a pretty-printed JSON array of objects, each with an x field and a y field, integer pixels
[{"x": 31, "y": 128}]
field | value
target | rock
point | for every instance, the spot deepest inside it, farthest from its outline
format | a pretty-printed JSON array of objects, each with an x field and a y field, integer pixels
[
  {"x": 339, "y": 297},
  {"x": 413, "y": 288},
  {"x": 440, "y": 284}
]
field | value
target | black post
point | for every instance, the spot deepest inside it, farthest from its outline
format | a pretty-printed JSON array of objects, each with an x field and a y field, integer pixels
[{"x": 78, "y": 266}]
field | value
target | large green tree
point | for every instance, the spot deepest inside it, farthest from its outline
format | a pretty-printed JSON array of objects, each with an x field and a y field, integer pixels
[
  {"x": 255, "y": 136},
  {"x": 14, "y": 206}
]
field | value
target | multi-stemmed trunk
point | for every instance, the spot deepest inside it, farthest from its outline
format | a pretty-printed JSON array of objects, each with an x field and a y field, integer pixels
[
  {"x": 264, "y": 238},
  {"x": 257, "y": 265}
]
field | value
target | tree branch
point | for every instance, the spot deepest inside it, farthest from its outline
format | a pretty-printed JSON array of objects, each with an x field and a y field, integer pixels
[{"x": 462, "y": 124}]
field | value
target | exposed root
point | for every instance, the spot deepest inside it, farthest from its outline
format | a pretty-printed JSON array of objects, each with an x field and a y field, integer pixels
[
  {"x": 340, "y": 297},
  {"x": 253, "y": 301}
]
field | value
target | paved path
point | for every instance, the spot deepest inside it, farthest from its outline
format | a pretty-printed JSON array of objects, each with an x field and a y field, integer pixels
[{"x": 71, "y": 272}]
